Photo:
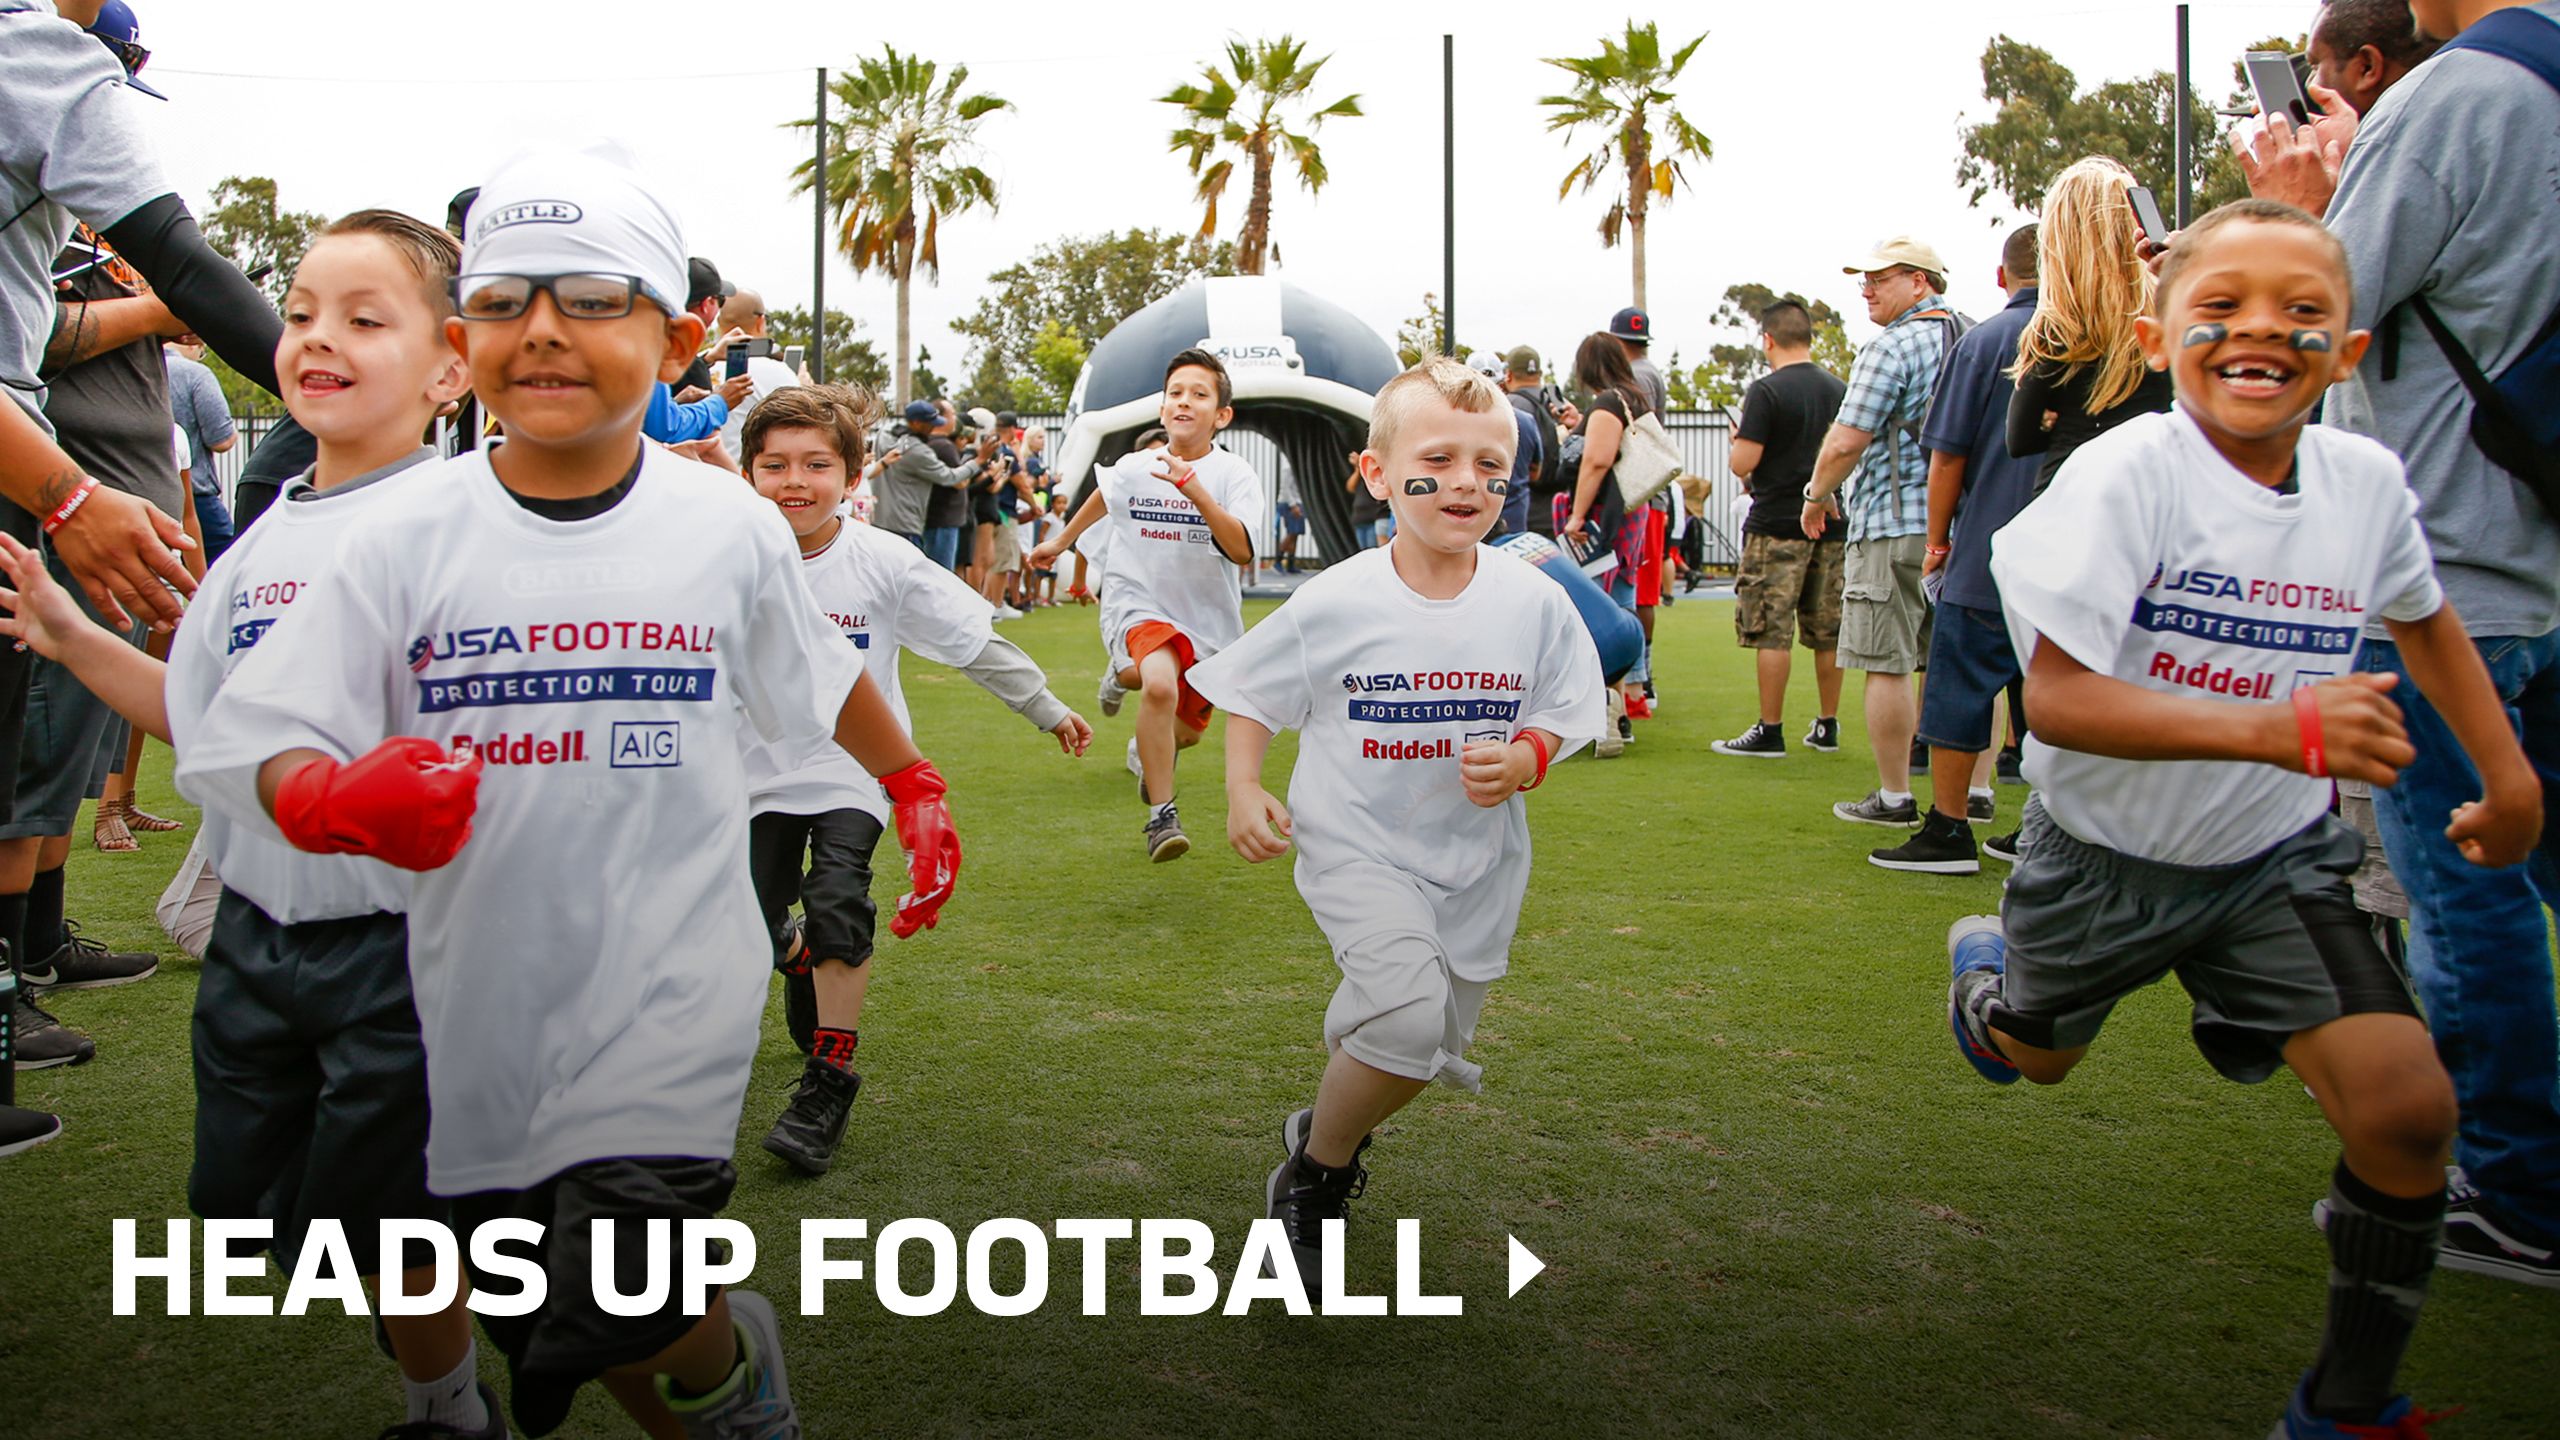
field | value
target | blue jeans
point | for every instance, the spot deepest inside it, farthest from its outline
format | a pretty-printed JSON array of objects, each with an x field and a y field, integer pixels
[
  {"x": 942, "y": 542},
  {"x": 1622, "y": 589},
  {"x": 214, "y": 520},
  {"x": 2480, "y": 942}
]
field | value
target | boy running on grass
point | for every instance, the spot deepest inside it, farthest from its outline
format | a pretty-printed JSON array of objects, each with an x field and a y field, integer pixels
[
  {"x": 599, "y": 624},
  {"x": 819, "y": 817},
  {"x": 1181, "y": 525},
  {"x": 2187, "y": 599},
  {"x": 311, "y": 1079},
  {"x": 1432, "y": 679}
]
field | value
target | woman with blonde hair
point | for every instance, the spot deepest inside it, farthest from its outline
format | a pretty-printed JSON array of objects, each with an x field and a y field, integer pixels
[{"x": 2080, "y": 371}]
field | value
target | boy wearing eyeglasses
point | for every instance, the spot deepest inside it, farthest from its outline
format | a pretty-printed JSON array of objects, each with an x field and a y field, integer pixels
[{"x": 533, "y": 685}]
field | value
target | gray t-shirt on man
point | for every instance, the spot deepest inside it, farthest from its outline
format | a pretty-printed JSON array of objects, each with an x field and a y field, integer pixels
[
  {"x": 2452, "y": 190},
  {"x": 71, "y": 149}
]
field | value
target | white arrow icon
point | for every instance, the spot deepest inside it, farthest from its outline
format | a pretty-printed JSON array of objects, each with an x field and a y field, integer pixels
[{"x": 1524, "y": 1266}]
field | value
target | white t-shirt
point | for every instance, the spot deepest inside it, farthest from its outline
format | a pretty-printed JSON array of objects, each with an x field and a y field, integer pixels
[
  {"x": 2153, "y": 560},
  {"x": 1164, "y": 561},
  {"x": 884, "y": 595},
  {"x": 591, "y": 969},
  {"x": 273, "y": 566},
  {"x": 1388, "y": 687},
  {"x": 769, "y": 375}
]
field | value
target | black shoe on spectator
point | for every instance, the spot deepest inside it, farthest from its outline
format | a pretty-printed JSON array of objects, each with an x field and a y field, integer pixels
[
  {"x": 1824, "y": 735},
  {"x": 84, "y": 964},
  {"x": 1979, "y": 808},
  {"x": 2007, "y": 766},
  {"x": 1762, "y": 741},
  {"x": 25, "y": 1129},
  {"x": 1919, "y": 758},
  {"x": 41, "y": 1042},
  {"x": 2003, "y": 848},
  {"x": 1939, "y": 847}
]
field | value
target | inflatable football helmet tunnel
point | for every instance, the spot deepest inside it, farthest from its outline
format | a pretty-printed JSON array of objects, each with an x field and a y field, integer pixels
[{"x": 1305, "y": 370}]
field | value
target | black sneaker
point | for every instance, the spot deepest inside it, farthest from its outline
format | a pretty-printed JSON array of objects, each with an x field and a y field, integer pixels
[
  {"x": 2475, "y": 1242},
  {"x": 1979, "y": 808},
  {"x": 1302, "y": 1202},
  {"x": 1823, "y": 735},
  {"x": 493, "y": 1428},
  {"x": 84, "y": 964},
  {"x": 25, "y": 1129},
  {"x": 41, "y": 1042},
  {"x": 1763, "y": 741},
  {"x": 1165, "y": 840},
  {"x": 1873, "y": 811},
  {"x": 2003, "y": 848},
  {"x": 2008, "y": 769},
  {"x": 813, "y": 1123},
  {"x": 1940, "y": 846},
  {"x": 1919, "y": 758}
]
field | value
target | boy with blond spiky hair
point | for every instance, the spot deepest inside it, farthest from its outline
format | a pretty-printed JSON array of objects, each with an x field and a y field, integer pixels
[{"x": 1432, "y": 680}]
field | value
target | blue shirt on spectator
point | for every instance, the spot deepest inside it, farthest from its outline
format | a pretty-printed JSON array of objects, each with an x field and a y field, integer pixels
[
  {"x": 1524, "y": 467},
  {"x": 1889, "y": 388},
  {"x": 1969, "y": 420},
  {"x": 196, "y": 403},
  {"x": 669, "y": 423}
]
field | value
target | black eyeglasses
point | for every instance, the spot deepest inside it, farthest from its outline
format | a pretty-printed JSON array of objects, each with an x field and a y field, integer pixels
[{"x": 578, "y": 296}]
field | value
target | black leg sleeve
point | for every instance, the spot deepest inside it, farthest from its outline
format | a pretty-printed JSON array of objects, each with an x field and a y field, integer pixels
[{"x": 200, "y": 287}]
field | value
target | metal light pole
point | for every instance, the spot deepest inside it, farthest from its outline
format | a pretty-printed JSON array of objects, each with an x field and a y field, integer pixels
[
  {"x": 1448, "y": 194},
  {"x": 2186, "y": 169},
  {"x": 817, "y": 357}
]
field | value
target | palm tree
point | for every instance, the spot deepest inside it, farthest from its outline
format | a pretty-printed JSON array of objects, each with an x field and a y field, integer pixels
[
  {"x": 1622, "y": 91},
  {"x": 897, "y": 167},
  {"x": 1240, "y": 107}
]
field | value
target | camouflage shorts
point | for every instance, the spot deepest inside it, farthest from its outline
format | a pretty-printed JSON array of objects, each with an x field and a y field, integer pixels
[{"x": 1785, "y": 584}]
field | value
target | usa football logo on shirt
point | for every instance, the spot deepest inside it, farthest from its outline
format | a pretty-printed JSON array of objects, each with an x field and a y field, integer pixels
[{"x": 421, "y": 650}]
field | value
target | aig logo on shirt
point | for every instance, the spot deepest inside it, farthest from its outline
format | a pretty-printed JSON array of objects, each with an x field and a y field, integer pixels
[{"x": 646, "y": 745}]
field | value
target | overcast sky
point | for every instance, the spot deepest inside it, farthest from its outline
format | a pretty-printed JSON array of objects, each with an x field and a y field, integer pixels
[{"x": 1835, "y": 122}]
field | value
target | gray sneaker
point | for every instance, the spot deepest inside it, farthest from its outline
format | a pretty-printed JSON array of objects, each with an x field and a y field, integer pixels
[
  {"x": 1873, "y": 811},
  {"x": 1165, "y": 840},
  {"x": 759, "y": 1409},
  {"x": 1110, "y": 693}
]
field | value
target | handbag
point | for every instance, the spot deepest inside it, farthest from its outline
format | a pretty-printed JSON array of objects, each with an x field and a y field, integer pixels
[{"x": 1647, "y": 461}]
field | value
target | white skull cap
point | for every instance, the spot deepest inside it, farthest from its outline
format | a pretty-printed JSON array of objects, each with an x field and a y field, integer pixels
[{"x": 558, "y": 209}]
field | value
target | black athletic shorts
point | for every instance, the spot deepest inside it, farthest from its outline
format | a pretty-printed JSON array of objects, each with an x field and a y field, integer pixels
[
  {"x": 834, "y": 891},
  {"x": 2267, "y": 947},
  {"x": 570, "y": 1340},
  {"x": 985, "y": 508},
  {"x": 311, "y": 1081}
]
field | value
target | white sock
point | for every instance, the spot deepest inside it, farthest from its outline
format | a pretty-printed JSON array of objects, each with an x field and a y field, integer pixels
[
  {"x": 1983, "y": 792},
  {"x": 452, "y": 1400},
  {"x": 1158, "y": 812},
  {"x": 1895, "y": 797}
]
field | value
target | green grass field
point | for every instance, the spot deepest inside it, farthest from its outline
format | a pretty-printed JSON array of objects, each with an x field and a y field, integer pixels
[{"x": 1720, "y": 1101}]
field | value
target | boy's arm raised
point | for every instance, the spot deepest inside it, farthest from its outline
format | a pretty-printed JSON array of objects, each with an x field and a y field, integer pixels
[
  {"x": 2502, "y": 826},
  {"x": 1257, "y": 823},
  {"x": 44, "y": 616},
  {"x": 2077, "y": 708}
]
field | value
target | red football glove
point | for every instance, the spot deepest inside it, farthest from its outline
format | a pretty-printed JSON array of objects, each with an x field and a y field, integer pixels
[
  {"x": 405, "y": 802},
  {"x": 932, "y": 845}
]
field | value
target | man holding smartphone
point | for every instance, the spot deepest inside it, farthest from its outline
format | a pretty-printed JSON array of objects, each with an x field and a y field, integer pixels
[{"x": 746, "y": 350}]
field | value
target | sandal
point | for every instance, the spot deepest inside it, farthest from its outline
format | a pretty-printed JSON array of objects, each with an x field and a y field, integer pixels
[
  {"x": 139, "y": 819},
  {"x": 108, "y": 831}
]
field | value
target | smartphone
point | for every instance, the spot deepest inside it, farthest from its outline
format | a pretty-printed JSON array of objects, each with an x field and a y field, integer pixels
[
  {"x": 792, "y": 355},
  {"x": 2146, "y": 209},
  {"x": 2276, "y": 76},
  {"x": 739, "y": 350}
]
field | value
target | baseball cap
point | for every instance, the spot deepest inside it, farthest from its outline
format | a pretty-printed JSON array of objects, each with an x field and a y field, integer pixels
[
  {"x": 1485, "y": 363},
  {"x": 1523, "y": 361},
  {"x": 554, "y": 209},
  {"x": 1632, "y": 324},
  {"x": 982, "y": 417},
  {"x": 922, "y": 412},
  {"x": 122, "y": 35},
  {"x": 1898, "y": 250},
  {"x": 1006, "y": 420},
  {"x": 703, "y": 282}
]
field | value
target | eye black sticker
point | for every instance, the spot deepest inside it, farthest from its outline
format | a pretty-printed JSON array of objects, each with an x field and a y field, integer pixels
[
  {"x": 2211, "y": 332},
  {"x": 2310, "y": 341},
  {"x": 1498, "y": 485},
  {"x": 1422, "y": 485}
]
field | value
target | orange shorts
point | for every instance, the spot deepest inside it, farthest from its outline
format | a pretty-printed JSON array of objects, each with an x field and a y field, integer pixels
[{"x": 1191, "y": 707}]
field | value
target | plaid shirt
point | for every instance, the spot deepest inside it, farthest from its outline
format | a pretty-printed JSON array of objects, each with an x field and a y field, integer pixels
[{"x": 1889, "y": 388}]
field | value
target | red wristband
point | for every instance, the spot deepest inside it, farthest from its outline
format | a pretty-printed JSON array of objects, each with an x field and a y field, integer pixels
[
  {"x": 2306, "y": 718},
  {"x": 1541, "y": 747},
  {"x": 62, "y": 514}
]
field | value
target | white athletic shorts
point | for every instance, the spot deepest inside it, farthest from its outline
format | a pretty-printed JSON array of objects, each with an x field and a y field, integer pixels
[{"x": 1403, "y": 1006}]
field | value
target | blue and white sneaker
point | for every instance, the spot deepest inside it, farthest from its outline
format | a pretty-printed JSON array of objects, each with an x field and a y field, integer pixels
[
  {"x": 1976, "y": 948},
  {"x": 760, "y": 1407},
  {"x": 2400, "y": 1420}
]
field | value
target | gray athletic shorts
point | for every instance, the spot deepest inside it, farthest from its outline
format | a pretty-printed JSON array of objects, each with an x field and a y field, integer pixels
[
  {"x": 62, "y": 757},
  {"x": 2267, "y": 947}
]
